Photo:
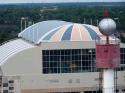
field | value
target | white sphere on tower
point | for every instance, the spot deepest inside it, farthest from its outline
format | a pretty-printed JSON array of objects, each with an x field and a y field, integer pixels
[{"x": 107, "y": 26}]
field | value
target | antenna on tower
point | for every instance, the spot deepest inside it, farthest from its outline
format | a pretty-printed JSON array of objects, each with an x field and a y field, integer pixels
[{"x": 106, "y": 14}]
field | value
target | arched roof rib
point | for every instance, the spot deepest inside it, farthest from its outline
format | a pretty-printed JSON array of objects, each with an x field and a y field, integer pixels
[{"x": 9, "y": 49}]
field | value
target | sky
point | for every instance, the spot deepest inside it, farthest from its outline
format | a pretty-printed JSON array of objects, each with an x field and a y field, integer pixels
[{"x": 53, "y": 1}]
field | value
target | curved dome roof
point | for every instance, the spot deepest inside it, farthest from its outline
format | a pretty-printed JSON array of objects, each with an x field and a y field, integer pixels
[
  {"x": 56, "y": 31},
  {"x": 11, "y": 48}
]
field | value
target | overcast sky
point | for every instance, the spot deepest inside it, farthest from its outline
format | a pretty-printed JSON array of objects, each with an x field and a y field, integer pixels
[{"x": 52, "y": 1}]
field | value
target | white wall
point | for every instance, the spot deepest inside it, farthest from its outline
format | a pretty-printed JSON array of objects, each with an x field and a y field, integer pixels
[
  {"x": 23, "y": 63},
  {"x": 48, "y": 81},
  {"x": 67, "y": 80},
  {"x": 68, "y": 45}
]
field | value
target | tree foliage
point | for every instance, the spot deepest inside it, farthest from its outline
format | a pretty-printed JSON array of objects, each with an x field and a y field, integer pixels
[{"x": 10, "y": 16}]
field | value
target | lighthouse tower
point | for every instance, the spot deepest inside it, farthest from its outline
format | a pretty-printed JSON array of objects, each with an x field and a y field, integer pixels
[{"x": 107, "y": 54}]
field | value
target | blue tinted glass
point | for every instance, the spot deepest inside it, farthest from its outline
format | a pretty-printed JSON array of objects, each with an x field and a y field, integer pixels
[
  {"x": 67, "y": 34},
  {"x": 92, "y": 33}
]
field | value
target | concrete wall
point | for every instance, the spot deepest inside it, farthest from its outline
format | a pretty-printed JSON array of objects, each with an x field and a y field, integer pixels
[
  {"x": 67, "y": 45},
  {"x": 70, "y": 45},
  {"x": 24, "y": 63},
  {"x": 69, "y": 82},
  {"x": 27, "y": 65}
]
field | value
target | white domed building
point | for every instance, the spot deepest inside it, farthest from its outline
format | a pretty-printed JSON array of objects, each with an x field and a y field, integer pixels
[{"x": 53, "y": 57}]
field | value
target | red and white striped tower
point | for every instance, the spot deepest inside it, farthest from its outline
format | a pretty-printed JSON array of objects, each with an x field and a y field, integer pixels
[{"x": 107, "y": 54}]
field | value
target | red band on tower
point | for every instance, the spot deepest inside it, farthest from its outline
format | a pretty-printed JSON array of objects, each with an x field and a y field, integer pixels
[{"x": 106, "y": 14}]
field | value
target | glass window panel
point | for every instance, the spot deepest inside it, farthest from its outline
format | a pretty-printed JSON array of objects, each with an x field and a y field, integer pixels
[
  {"x": 45, "y": 58},
  {"x": 62, "y": 58},
  {"x": 11, "y": 81},
  {"x": 45, "y": 64},
  {"x": 46, "y": 70},
  {"x": 76, "y": 57},
  {"x": 5, "y": 91},
  {"x": 68, "y": 52},
  {"x": 62, "y": 52},
  {"x": 51, "y": 52},
  {"x": 51, "y": 58},
  {"x": 44, "y": 52},
  {"x": 5, "y": 84},
  {"x": 11, "y": 88},
  {"x": 55, "y": 52}
]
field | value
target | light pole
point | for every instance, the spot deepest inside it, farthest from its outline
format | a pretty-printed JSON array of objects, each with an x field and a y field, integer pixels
[
  {"x": 26, "y": 19},
  {"x": 25, "y": 22},
  {"x": 22, "y": 18}
]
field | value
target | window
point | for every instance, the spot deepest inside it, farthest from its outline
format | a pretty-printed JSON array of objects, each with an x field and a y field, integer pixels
[
  {"x": 72, "y": 60},
  {"x": 68, "y": 60},
  {"x": 5, "y": 84},
  {"x": 11, "y": 81},
  {"x": 122, "y": 55},
  {"x": 5, "y": 91},
  {"x": 11, "y": 88}
]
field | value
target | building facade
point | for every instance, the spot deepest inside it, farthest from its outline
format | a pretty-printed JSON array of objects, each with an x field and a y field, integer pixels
[{"x": 54, "y": 57}]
